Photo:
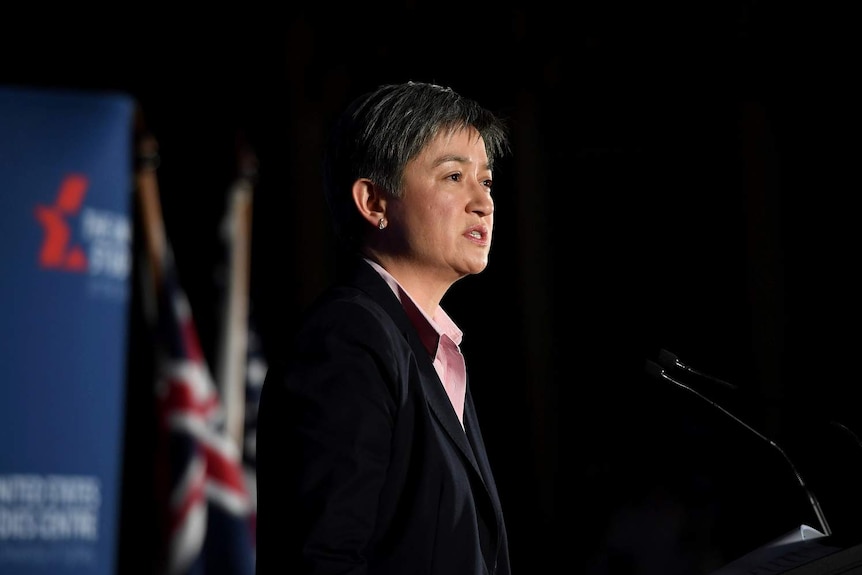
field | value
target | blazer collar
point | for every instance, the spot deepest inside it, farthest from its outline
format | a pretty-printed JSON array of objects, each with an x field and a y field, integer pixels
[{"x": 362, "y": 276}]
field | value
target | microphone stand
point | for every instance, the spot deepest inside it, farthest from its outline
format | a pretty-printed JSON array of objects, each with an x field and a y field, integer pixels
[{"x": 659, "y": 372}]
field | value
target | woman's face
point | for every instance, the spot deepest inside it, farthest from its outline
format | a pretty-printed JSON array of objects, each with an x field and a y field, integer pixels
[{"x": 445, "y": 217}]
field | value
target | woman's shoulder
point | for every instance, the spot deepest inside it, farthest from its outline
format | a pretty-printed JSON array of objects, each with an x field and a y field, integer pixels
[{"x": 344, "y": 307}]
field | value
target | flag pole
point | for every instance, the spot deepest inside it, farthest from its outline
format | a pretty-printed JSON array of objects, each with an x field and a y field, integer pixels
[
  {"x": 148, "y": 197},
  {"x": 231, "y": 371}
]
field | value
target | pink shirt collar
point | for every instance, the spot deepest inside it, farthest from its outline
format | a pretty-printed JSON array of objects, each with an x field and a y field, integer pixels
[
  {"x": 430, "y": 328},
  {"x": 447, "y": 359}
]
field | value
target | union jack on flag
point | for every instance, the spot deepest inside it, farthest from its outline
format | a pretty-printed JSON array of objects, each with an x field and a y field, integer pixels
[{"x": 208, "y": 512}]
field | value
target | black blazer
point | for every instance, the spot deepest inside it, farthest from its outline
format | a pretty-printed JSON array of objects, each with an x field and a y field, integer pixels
[{"x": 362, "y": 464}]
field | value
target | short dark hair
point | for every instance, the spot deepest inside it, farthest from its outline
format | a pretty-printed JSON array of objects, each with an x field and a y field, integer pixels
[{"x": 382, "y": 130}]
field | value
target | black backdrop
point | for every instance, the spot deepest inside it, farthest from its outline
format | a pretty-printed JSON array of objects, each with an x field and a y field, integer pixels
[{"x": 682, "y": 178}]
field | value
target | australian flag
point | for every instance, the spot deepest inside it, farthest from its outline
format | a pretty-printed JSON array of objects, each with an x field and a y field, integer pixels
[{"x": 206, "y": 504}]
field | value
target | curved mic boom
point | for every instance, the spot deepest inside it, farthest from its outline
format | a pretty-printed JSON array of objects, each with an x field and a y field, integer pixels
[{"x": 659, "y": 372}]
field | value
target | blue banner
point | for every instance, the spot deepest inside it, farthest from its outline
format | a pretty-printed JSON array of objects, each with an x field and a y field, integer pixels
[{"x": 66, "y": 185}]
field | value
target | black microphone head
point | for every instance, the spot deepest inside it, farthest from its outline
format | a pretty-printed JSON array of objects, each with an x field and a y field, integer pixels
[{"x": 668, "y": 360}]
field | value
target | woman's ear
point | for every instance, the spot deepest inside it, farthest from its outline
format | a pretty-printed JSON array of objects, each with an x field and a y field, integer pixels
[{"x": 370, "y": 201}]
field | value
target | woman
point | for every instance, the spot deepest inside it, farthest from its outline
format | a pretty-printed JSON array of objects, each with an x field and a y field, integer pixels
[{"x": 370, "y": 456}]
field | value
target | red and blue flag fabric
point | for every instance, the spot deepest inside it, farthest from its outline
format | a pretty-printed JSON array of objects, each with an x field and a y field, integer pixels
[{"x": 205, "y": 500}]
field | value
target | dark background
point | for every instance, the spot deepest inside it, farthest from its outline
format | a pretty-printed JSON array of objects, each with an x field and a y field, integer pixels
[{"x": 683, "y": 177}]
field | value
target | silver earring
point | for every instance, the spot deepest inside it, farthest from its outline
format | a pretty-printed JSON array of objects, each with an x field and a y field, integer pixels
[{"x": 381, "y": 224}]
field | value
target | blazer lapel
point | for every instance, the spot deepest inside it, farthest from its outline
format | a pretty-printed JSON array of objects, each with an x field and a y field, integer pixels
[
  {"x": 470, "y": 444},
  {"x": 365, "y": 278},
  {"x": 439, "y": 401}
]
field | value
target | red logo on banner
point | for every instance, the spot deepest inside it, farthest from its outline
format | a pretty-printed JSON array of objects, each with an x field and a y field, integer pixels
[{"x": 56, "y": 251}]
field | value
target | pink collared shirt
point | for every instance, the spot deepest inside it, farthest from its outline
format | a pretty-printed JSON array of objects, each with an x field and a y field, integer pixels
[{"x": 440, "y": 337}]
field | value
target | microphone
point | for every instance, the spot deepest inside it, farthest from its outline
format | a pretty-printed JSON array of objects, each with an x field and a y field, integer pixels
[
  {"x": 671, "y": 361},
  {"x": 659, "y": 372}
]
